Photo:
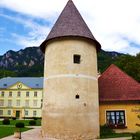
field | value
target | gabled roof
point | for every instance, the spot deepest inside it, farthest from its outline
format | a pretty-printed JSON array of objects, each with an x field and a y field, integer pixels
[
  {"x": 115, "y": 85},
  {"x": 32, "y": 82},
  {"x": 70, "y": 24}
]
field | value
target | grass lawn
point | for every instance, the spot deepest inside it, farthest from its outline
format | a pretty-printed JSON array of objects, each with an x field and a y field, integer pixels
[
  {"x": 8, "y": 130},
  {"x": 116, "y": 135},
  {"x": 26, "y": 122}
]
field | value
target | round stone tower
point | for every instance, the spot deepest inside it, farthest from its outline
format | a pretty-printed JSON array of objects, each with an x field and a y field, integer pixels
[{"x": 70, "y": 104}]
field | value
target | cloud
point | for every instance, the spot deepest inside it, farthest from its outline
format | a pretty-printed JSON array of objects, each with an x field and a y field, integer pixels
[
  {"x": 108, "y": 20},
  {"x": 28, "y": 41},
  {"x": 36, "y": 34},
  {"x": 34, "y": 38},
  {"x": 36, "y": 8}
]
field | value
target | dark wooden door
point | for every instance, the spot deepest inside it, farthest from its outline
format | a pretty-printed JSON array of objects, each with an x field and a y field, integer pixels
[{"x": 17, "y": 114}]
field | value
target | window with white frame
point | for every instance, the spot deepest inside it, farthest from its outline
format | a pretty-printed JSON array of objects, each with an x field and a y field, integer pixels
[
  {"x": 10, "y": 94},
  {"x": 9, "y": 103},
  {"x": 115, "y": 118},
  {"x": 18, "y": 102},
  {"x": 34, "y": 113},
  {"x": 26, "y": 112},
  {"x": 35, "y": 94},
  {"x": 1, "y": 102},
  {"x": 9, "y": 112},
  {"x": 27, "y": 103},
  {"x": 18, "y": 94},
  {"x": 1, "y": 112},
  {"x": 2, "y": 94},
  {"x": 27, "y": 94},
  {"x": 34, "y": 102}
]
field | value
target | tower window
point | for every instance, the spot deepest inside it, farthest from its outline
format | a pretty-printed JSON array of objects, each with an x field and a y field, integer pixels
[
  {"x": 77, "y": 96},
  {"x": 76, "y": 58}
]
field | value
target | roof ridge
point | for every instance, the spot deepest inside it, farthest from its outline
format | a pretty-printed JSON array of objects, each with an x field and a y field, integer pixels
[
  {"x": 115, "y": 84},
  {"x": 108, "y": 68}
]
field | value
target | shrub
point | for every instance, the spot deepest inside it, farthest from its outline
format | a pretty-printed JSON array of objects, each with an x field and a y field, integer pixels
[
  {"x": 19, "y": 124},
  {"x": 106, "y": 131},
  {"x": 32, "y": 122},
  {"x": 6, "y": 121},
  {"x": 35, "y": 118},
  {"x": 136, "y": 136},
  {"x": 14, "y": 118}
]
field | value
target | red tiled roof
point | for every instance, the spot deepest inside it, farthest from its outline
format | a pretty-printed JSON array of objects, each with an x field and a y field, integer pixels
[
  {"x": 115, "y": 85},
  {"x": 70, "y": 24}
]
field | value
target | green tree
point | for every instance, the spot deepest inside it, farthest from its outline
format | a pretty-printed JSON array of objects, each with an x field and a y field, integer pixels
[
  {"x": 7, "y": 73},
  {"x": 130, "y": 65}
]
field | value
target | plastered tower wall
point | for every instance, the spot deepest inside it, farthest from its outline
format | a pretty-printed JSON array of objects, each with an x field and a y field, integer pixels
[{"x": 71, "y": 108}]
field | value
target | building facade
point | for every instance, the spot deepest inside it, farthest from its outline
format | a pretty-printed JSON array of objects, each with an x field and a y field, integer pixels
[
  {"x": 119, "y": 100},
  {"x": 21, "y": 97}
]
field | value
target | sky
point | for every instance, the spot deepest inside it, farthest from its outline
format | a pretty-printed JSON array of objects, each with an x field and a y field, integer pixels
[{"x": 114, "y": 23}]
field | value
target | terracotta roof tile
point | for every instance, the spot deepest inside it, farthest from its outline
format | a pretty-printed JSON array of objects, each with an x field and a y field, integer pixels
[
  {"x": 115, "y": 85},
  {"x": 70, "y": 23}
]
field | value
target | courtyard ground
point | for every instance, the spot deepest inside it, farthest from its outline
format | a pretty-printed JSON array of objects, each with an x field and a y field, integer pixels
[{"x": 35, "y": 134}]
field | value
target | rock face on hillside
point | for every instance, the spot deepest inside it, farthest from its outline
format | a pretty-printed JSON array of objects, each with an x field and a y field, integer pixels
[
  {"x": 31, "y": 56},
  {"x": 23, "y": 58}
]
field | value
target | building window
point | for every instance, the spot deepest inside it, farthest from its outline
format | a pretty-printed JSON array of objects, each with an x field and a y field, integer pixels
[
  {"x": 76, "y": 58},
  {"x": 27, "y": 103},
  {"x": 34, "y": 102},
  {"x": 77, "y": 96},
  {"x": 18, "y": 94},
  {"x": 4, "y": 85},
  {"x": 2, "y": 94},
  {"x": 34, "y": 113},
  {"x": 27, "y": 94},
  {"x": 10, "y": 94},
  {"x": 26, "y": 113},
  {"x": 9, "y": 103},
  {"x": 18, "y": 102},
  {"x": 37, "y": 85},
  {"x": 9, "y": 112},
  {"x": 115, "y": 119},
  {"x": 35, "y": 94},
  {"x": 41, "y": 103},
  {"x": 1, "y": 112},
  {"x": 1, "y": 102}
]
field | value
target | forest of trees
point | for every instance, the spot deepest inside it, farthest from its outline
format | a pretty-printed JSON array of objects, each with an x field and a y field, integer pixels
[{"x": 128, "y": 63}]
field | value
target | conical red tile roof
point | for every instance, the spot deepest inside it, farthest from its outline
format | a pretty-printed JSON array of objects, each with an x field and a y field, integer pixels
[
  {"x": 70, "y": 24},
  {"x": 115, "y": 85}
]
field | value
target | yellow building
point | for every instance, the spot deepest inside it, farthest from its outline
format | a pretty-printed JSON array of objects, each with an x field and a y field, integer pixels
[
  {"x": 21, "y": 97},
  {"x": 119, "y": 96}
]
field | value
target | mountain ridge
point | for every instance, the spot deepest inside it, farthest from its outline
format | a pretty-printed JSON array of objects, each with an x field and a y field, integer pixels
[{"x": 29, "y": 62}]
